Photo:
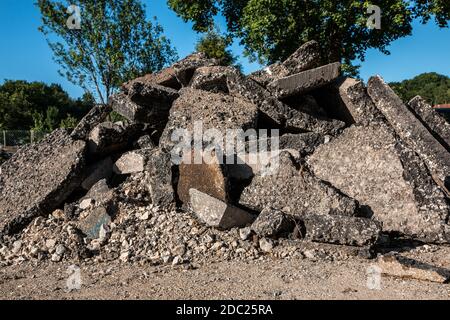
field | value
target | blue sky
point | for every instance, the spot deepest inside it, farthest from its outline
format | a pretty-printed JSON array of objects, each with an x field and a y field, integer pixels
[{"x": 24, "y": 53}]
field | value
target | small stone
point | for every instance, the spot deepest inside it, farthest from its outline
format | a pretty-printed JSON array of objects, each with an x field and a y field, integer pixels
[
  {"x": 50, "y": 243},
  {"x": 177, "y": 260},
  {"x": 86, "y": 203},
  {"x": 266, "y": 245},
  {"x": 179, "y": 250},
  {"x": 58, "y": 214},
  {"x": 17, "y": 245},
  {"x": 60, "y": 249},
  {"x": 245, "y": 233},
  {"x": 124, "y": 256},
  {"x": 55, "y": 257}
]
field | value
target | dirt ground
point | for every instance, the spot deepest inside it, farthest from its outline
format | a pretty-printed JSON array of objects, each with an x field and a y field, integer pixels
[{"x": 268, "y": 279}]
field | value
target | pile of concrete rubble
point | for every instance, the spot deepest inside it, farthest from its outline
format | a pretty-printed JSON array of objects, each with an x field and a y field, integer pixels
[{"x": 357, "y": 168}]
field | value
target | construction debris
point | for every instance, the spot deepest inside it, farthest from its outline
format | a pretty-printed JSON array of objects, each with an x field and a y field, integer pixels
[{"x": 326, "y": 169}]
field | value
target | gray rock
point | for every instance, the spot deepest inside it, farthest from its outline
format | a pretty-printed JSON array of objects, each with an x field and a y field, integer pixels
[
  {"x": 295, "y": 191},
  {"x": 213, "y": 79},
  {"x": 356, "y": 105},
  {"x": 216, "y": 111},
  {"x": 388, "y": 179},
  {"x": 94, "y": 117},
  {"x": 245, "y": 233},
  {"x": 266, "y": 245},
  {"x": 96, "y": 172},
  {"x": 410, "y": 129},
  {"x": 305, "y": 81},
  {"x": 272, "y": 223},
  {"x": 38, "y": 179},
  {"x": 159, "y": 178},
  {"x": 145, "y": 142},
  {"x": 133, "y": 162},
  {"x": 216, "y": 213},
  {"x": 431, "y": 119},
  {"x": 93, "y": 222},
  {"x": 108, "y": 138},
  {"x": 353, "y": 231},
  {"x": 102, "y": 196}
]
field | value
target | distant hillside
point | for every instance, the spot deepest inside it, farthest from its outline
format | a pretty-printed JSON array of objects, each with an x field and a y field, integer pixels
[{"x": 434, "y": 87}]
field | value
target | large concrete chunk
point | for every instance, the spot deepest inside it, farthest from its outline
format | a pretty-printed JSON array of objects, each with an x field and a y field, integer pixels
[
  {"x": 133, "y": 161},
  {"x": 356, "y": 105},
  {"x": 38, "y": 178},
  {"x": 278, "y": 112},
  {"x": 342, "y": 230},
  {"x": 108, "y": 137},
  {"x": 184, "y": 69},
  {"x": 305, "y": 81},
  {"x": 165, "y": 77},
  {"x": 94, "y": 117},
  {"x": 216, "y": 213},
  {"x": 389, "y": 181},
  {"x": 96, "y": 172},
  {"x": 208, "y": 177},
  {"x": 410, "y": 129},
  {"x": 213, "y": 79},
  {"x": 295, "y": 191},
  {"x": 431, "y": 119},
  {"x": 211, "y": 110},
  {"x": 159, "y": 176},
  {"x": 304, "y": 58},
  {"x": 272, "y": 223},
  {"x": 145, "y": 103},
  {"x": 95, "y": 219}
]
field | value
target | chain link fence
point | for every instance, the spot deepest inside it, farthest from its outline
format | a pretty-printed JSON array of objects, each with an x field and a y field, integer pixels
[{"x": 17, "y": 138}]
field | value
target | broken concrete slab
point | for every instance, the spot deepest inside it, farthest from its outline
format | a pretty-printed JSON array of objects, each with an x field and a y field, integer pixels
[
  {"x": 213, "y": 79},
  {"x": 402, "y": 267},
  {"x": 389, "y": 180},
  {"x": 165, "y": 77},
  {"x": 208, "y": 177},
  {"x": 93, "y": 222},
  {"x": 38, "y": 179},
  {"x": 410, "y": 129},
  {"x": 159, "y": 178},
  {"x": 306, "y": 104},
  {"x": 216, "y": 213},
  {"x": 272, "y": 223},
  {"x": 184, "y": 69},
  {"x": 432, "y": 120},
  {"x": 145, "y": 142},
  {"x": 305, "y": 81},
  {"x": 96, "y": 172},
  {"x": 102, "y": 196},
  {"x": 355, "y": 105},
  {"x": 352, "y": 231},
  {"x": 304, "y": 58},
  {"x": 95, "y": 116},
  {"x": 214, "y": 111},
  {"x": 295, "y": 191},
  {"x": 133, "y": 162},
  {"x": 108, "y": 138},
  {"x": 298, "y": 121}
]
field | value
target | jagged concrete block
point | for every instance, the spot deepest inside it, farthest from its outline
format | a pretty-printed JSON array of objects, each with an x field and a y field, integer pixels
[
  {"x": 402, "y": 267},
  {"x": 305, "y": 81},
  {"x": 96, "y": 172},
  {"x": 213, "y": 79},
  {"x": 410, "y": 129},
  {"x": 108, "y": 137},
  {"x": 94, "y": 117},
  {"x": 145, "y": 142},
  {"x": 216, "y": 213},
  {"x": 298, "y": 121},
  {"x": 210, "y": 178},
  {"x": 431, "y": 119},
  {"x": 215, "y": 111},
  {"x": 307, "y": 104},
  {"x": 166, "y": 77},
  {"x": 352, "y": 231},
  {"x": 184, "y": 69},
  {"x": 159, "y": 177},
  {"x": 272, "y": 223},
  {"x": 356, "y": 105},
  {"x": 38, "y": 179},
  {"x": 269, "y": 74},
  {"x": 388, "y": 179},
  {"x": 295, "y": 191},
  {"x": 93, "y": 222},
  {"x": 133, "y": 162}
]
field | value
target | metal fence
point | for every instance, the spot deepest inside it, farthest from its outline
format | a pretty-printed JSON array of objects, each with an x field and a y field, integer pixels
[{"x": 15, "y": 138}]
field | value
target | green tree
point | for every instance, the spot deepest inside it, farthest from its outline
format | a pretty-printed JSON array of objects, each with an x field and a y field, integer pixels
[
  {"x": 272, "y": 30},
  {"x": 26, "y": 105},
  {"x": 115, "y": 43},
  {"x": 215, "y": 46},
  {"x": 433, "y": 87}
]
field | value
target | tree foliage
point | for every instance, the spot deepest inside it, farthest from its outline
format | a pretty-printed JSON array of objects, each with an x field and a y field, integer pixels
[
  {"x": 433, "y": 87},
  {"x": 271, "y": 30},
  {"x": 215, "y": 46},
  {"x": 114, "y": 44},
  {"x": 36, "y": 105}
]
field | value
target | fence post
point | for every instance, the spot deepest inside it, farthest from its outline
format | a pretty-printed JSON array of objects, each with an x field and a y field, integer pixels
[
  {"x": 31, "y": 136},
  {"x": 4, "y": 138}
]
